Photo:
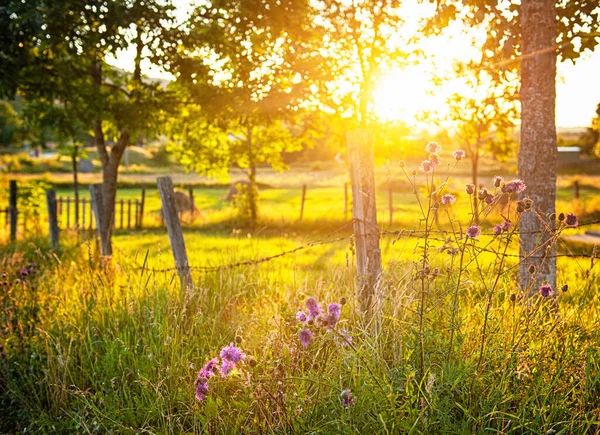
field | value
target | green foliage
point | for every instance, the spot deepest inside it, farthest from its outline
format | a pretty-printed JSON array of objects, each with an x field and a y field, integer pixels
[{"x": 9, "y": 125}]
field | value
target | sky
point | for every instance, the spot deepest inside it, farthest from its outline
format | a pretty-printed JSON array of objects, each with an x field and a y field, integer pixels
[{"x": 404, "y": 94}]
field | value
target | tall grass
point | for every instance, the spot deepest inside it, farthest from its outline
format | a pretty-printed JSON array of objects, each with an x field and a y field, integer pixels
[{"x": 96, "y": 347}]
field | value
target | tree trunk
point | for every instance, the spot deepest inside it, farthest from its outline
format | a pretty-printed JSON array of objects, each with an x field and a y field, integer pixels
[
  {"x": 251, "y": 180},
  {"x": 76, "y": 183},
  {"x": 538, "y": 152}
]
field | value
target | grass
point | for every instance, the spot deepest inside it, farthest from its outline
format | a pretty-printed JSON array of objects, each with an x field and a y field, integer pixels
[{"x": 90, "y": 347}]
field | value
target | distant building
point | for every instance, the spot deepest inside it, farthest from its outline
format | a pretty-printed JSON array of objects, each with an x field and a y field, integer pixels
[{"x": 568, "y": 155}]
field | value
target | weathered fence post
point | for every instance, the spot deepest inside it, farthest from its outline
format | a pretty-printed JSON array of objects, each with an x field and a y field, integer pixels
[
  {"x": 302, "y": 201},
  {"x": 137, "y": 214},
  {"x": 52, "y": 218},
  {"x": 364, "y": 214},
  {"x": 121, "y": 220},
  {"x": 83, "y": 201},
  {"x": 192, "y": 203},
  {"x": 129, "y": 214},
  {"x": 97, "y": 200},
  {"x": 68, "y": 213},
  {"x": 142, "y": 207},
  {"x": 576, "y": 189},
  {"x": 13, "y": 210},
  {"x": 165, "y": 188}
]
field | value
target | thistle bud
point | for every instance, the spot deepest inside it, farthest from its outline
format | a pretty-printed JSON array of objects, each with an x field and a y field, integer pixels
[
  {"x": 532, "y": 269},
  {"x": 565, "y": 287},
  {"x": 513, "y": 297},
  {"x": 343, "y": 301},
  {"x": 238, "y": 339},
  {"x": 561, "y": 217},
  {"x": 401, "y": 163}
]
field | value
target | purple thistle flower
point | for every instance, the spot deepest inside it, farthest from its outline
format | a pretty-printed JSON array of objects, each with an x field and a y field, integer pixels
[
  {"x": 209, "y": 368},
  {"x": 470, "y": 189},
  {"x": 546, "y": 290},
  {"x": 516, "y": 185},
  {"x": 497, "y": 229},
  {"x": 347, "y": 398},
  {"x": 435, "y": 159},
  {"x": 333, "y": 314},
  {"x": 201, "y": 391},
  {"x": 473, "y": 231},
  {"x": 459, "y": 155},
  {"x": 448, "y": 199},
  {"x": 314, "y": 310},
  {"x": 506, "y": 225},
  {"x": 483, "y": 193},
  {"x": 301, "y": 316},
  {"x": 571, "y": 220},
  {"x": 426, "y": 167},
  {"x": 226, "y": 367},
  {"x": 433, "y": 147},
  {"x": 305, "y": 336},
  {"x": 489, "y": 199},
  {"x": 498, "y": 180},
  {"x": 232, "y": 354}
]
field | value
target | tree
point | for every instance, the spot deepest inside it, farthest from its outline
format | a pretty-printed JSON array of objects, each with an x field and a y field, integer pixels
[
  {"x": 9, "y": 124},
  {"x": 58, "y": 54},
  {"x": 530, "y": 36},
  {"x": 245, "y": 69}
]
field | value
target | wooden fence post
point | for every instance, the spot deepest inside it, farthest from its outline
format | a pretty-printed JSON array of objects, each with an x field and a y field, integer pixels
[
  {"x": 576, "y": 189},
  {"x": 165, "y": 188},
  {"x": 52, "y": 218},
  {"x": 141, "y": 221},
  {"x": 83, "y": 201},
  {"x": 192, "y": 203},
  {"x": 364, "y": 214},
  {"x": 13, "y": 210},
  {"x": 137, "y": 214},
  {"x": 129, "y": 214},
  {"x": 97, "y": 200},
  {"x": 68, "y": 212},
  {"x": 302, "y": 201},
  {"x": 122, "y": 207}
]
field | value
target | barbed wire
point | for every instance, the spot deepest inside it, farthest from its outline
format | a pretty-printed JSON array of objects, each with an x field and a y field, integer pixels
[{"x": 328, "y": 239}]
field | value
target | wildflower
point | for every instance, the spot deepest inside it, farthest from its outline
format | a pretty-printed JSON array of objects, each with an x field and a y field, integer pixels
[
  {"x": 347, "y": 398},
  {"x": 305, "y": 336},
  {"x": 489, "y": 198},
  {"x": 426, "y": 167},
  {"x": 498, "y": 180},
  {"x": 448, "y": 199},
  {"x": 483, "y": 193},
  {"x": 565, "y": 287},
  {"x": 314, "y": 310},
  {"x": 433, "y": 147},
  {"x": 506, "y": 225},
  {"x": 226, "y": 367},
  {"x": 571, "y": 220},
  {"x": 232, "y": 354},
  {"x": 342, "y": 301},
  {"x": 561, "y": 217},
  {"x": 516, "y": 185},
  {"x": 209, "y": 368},
  {"x": 333, "y": 314},
  {"x": 435, "y": 159},
  {"x": 473, "y": 231},
  {"x": 459, "y": 155},
  {"x": 201, "y": 390},
  {"x": 401, "y": 163},
  {"x": 470, "y": 188},
  {"x": 497, "y": 229},
  {"x": 301, "y": 316},
  {"x": 546, "y": 290}
]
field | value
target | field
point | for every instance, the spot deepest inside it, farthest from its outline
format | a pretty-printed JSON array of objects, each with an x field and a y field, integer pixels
[{"x": 96, "y": 347}]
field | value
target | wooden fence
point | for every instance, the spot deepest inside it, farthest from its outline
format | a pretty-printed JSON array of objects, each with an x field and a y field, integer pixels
[{"x": 128, "y": 213}]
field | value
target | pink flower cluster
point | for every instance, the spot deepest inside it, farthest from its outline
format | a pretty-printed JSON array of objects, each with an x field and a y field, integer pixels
[
  {"x": 315, "y": 315},
  {"x": 230, "y": 355}
]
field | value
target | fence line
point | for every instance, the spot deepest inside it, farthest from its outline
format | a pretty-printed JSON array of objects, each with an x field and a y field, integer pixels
[{"x": 328, "y": 240}]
